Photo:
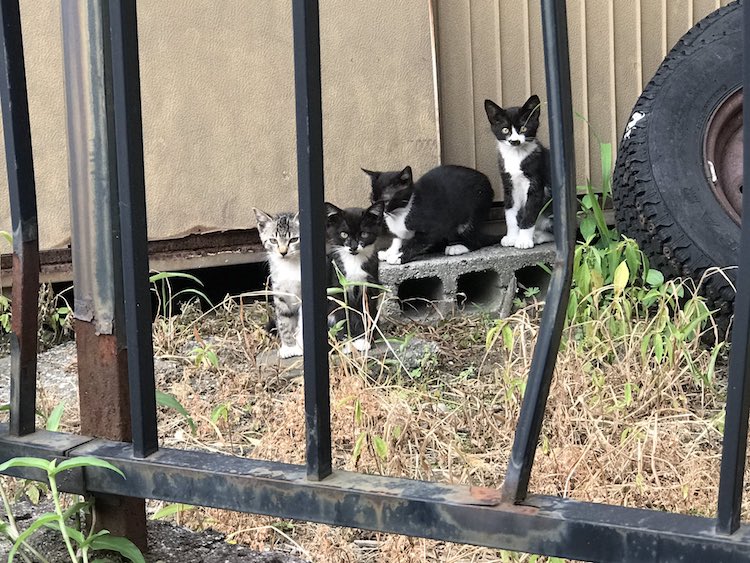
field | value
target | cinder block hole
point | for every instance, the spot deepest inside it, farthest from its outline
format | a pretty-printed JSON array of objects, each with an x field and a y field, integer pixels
[
  {"x": 530, "y": 278},
  {"x": 479, "y": 290},
  {"x": 417, "y": 296}
]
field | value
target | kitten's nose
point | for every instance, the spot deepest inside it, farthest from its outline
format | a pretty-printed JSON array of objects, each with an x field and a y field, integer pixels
[
  {"x": 283, "y": 250},
  {"x": 515, "y": 142}
]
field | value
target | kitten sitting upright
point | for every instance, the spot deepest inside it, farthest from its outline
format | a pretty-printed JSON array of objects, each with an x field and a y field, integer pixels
[
  {"x": 441, "y": 212},
  {"x": 280, "y": 237},
  {"x": 524, "y": 168},
  {"x": 351, "y": 235}
]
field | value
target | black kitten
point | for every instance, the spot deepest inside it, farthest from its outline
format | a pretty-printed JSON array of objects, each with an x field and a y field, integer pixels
[
  {"x": 350, "y": 239},
  {"x": 440, "y": 212},
  {"x": 524, "y": 168}
]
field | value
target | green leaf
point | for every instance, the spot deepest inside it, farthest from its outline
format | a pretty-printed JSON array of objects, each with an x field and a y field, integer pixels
[
  {"x": 42, "y": 520},
  {"x": 123, "y": 546},
  {"x": 220, "y": 411},
  {"x": 622, "y": 274},
  {"x": 7, "y": 236},
  {"x": 39, "y": 463},
  {"x": 167, "y": 275},
  {"x": 169, "y": 401},
  {"x": 357, "y": 412},
  {"x": 381, "y": 447},
  {"x": 172, "y": 509},
  {"x": 588, "y": 228},
  {"x": 85, "y": 461},
  {"x": 32, "y": 491},
  {"x": 508, "y": 337},
  {"x": 74, "y": 534},
  {"x": 53, "y": 422},
  {"x": 358, "y": 445},
  {"x": 654, "y": 278}
]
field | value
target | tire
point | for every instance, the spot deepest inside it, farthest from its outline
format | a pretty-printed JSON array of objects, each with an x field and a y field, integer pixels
[{"x": 662, "y": 189}]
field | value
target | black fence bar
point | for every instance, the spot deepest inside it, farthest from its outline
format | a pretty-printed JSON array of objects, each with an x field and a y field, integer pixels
[
  {"x": 473, "y": 515},
  {"x": 312, "y": 235},
  {"x": 20, "y": 165},
  {"x": 734, "y": 450},
  {"x": 128, "y": 125},
  {"x": 560, "y": 113}
]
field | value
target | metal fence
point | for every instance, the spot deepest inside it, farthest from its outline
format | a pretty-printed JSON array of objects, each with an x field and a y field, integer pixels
[{"x": 510, "y": 518}]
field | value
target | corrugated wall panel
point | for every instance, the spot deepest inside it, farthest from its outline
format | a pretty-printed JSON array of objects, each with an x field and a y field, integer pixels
[{"x": 615, "y": 46}]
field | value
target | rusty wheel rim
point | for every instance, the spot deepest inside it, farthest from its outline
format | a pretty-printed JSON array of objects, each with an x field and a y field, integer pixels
[{"x": 723, "y": 155}]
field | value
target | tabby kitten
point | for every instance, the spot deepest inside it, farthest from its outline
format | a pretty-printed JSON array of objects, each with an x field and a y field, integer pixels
[
  {"x": 351, "y": 235},
  {"x": 280, "y": 237},
  {"x": 524, "y": 169}
]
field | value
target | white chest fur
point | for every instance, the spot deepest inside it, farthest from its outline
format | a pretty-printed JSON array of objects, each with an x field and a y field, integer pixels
[
  {"x": 285, "y": 268},
  {"x": 353, "y": 263},
  {"x": 396, "y": 222},
  {"x": 513, "y": 156}
]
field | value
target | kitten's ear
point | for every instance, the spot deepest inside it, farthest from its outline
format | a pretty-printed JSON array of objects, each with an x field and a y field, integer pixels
[
  {"x": 532, "y": 106},
  {"x": 376, "y": 209},
  {"x": 493, "y": 110},
  {"x": 331, "y": 210},
  {"x": 405, "y": 176},
  {"x": 372, "y": 174},
  {"x": 262, "y": 217}
]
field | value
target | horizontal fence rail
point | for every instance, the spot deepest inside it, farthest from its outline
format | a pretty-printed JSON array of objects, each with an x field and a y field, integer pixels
[{"x": 508, "y": 519}]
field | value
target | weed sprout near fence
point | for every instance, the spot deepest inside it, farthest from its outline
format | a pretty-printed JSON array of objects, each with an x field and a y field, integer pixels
[{"x": 510, "y": 518}]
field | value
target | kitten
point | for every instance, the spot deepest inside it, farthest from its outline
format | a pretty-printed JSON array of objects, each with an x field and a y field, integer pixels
[
  {"x": 351, "y": 235},
  {"x": 280, "y": 237},
  {"x": 440, "y": 212},
  {"x": 524, "y": 168}
]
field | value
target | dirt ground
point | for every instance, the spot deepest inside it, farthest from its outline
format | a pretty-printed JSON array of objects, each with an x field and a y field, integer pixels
[{"x": 440, "y": 405}]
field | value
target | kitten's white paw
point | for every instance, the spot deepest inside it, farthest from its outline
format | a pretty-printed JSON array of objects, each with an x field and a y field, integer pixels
[
  {"x": 523, "y": 242},
  {"x": 383, "y": 255},
  {"x": 508, "y": 240},
  {"x": 394, "y": 258},
  {"x": 455, "y": 249},
  {"x": 361, "y": 344},
  {"x": 290, "y": 351}
]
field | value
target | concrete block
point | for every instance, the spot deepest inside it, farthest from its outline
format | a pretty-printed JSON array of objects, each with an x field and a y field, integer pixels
[{"x": 442, "y": 285}]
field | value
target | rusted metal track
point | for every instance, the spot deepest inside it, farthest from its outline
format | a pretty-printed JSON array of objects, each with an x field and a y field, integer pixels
[{"x": 546, "y": 525}]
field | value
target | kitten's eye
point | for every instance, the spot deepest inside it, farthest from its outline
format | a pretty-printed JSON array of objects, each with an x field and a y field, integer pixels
[
  {"x": 293, "y": 240},
  {"x": 344, "y": 235},
  {"x": 273, "y": 241},
  {"x": 506, "y": 130},
  {"x": 523, "y": 129}
]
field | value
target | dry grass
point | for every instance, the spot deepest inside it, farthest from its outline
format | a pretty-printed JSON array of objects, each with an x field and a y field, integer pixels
[{"x": 620, "y": 428}]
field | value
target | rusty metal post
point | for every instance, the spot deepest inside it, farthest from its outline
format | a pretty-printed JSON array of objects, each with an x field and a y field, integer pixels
[
  {"x": 25, "y": 293},
  {"x": 102, "y": 356}
]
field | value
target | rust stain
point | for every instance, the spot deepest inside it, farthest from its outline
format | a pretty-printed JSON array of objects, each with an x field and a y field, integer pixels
[
  {"x": 104, "y": 395},
  {"x": 485, "y": 496}
]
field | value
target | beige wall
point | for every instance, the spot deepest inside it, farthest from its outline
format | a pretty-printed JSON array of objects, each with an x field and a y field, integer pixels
[
  {"x": 218, "y": 107},
  {"x": 218, "y": 97},
  {"x": 493, "y": 49}
]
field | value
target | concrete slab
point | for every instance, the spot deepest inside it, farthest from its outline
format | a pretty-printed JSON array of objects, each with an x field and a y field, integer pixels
[{"x": 442, "y": 285}]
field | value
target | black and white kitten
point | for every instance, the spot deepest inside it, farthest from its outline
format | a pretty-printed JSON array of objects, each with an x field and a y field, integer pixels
[
  {"x": 524, "y": 168},
  {"x": 441, "y": 212},
  {"x": 351, "y": 235},
  {"x": 280, "y": 237}
]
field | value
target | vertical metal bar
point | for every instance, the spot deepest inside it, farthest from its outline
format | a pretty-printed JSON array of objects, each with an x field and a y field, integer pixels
[
  {"x": 105, "y": 398},
  {"x": 734, "y": 450},
  {"x": 126, "y": 93},
  {"x": 312, "y": 235},
  {"x": 20, "y": 165},
  {"x": 560, "y": 112}
]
